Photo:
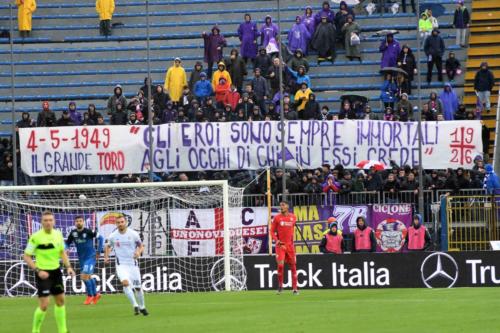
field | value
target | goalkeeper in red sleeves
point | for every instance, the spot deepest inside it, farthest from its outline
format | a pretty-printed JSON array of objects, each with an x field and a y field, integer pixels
[{"x": 282, "y": 231}]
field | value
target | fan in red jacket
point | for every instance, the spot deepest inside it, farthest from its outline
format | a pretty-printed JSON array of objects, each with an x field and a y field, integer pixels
[
  {"x": 282, "y": 231},
  {"x": 232, "y": 98}
]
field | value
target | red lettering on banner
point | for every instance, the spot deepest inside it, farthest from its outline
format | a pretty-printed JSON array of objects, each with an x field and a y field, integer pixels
[
  {"x": 461, "y": 145},
  {"x": 55, "y": 141},
  {"x": 95, "y": 138},
  {"x": 111, "y": 161},
  {"x": 83, "y": 137},
  {"x": 31, "y": 142},
  {"x": 106, "y": 133}
]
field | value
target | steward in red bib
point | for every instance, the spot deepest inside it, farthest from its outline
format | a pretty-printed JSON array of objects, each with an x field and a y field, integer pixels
[
  {"x": 363, "y": 238},
  {"x": 418, "y": 238},
  {"x": 332, "y": 242}
]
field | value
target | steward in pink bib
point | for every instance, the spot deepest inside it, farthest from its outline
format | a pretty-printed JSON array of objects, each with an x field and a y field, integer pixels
[
  {"x": 363, "y": 238},
  {"x": 332, "y": 242},
  {"x": 418, "y": 238}
]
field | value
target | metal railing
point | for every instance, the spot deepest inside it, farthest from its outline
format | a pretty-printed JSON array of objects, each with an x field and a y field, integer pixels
[
  {"x": 363, "y": 198},
  {"x": 472, "y": 222}
]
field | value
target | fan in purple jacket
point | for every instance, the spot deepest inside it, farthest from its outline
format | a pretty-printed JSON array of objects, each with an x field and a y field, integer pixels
[
  {"x": 308, "y": 20},
  {"x": 248, "y": 33},
  {"x": 298, "y": 36},
  {"x": 325, "y": 11},
  {"x": 390, "y": 50},
  {"x": 449, "y": 100},
  {"x": 267, "y": 31},
  {"x": 214, "y": 44}
]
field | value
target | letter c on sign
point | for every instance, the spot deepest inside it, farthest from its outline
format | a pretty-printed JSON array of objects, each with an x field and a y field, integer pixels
[{"x": 244, "y": 219}]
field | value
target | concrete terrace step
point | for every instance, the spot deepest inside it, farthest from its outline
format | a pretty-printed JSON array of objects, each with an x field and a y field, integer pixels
[
  {"x": 368, "y": 41},
  {"x": 57, "y": 37},
  {"x": 133, "y": 60}
]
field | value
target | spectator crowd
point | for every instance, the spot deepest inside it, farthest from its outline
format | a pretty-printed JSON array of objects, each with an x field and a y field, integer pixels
[{"x": 230, "y": 92}]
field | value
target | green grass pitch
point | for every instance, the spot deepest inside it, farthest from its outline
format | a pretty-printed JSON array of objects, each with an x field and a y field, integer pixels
[{"x": 380, "y": 310}]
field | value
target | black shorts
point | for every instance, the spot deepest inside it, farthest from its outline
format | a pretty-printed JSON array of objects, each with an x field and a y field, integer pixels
[{"x": 53, "y": 285}]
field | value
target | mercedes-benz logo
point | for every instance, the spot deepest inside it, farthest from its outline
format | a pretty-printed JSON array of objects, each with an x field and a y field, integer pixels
[
  {"x": 16, "y": 282},
  {"x": 218, "y": 279},
  {"x": 444, "y": 270}
]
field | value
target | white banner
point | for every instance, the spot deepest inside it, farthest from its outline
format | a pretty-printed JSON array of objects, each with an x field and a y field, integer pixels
[
  {"x": 96, "y": 150},
  {"x": 200, "y": 232}
]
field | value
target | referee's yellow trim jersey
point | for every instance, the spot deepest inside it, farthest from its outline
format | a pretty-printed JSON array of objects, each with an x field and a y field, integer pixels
[{"x": 46, "y": 248}]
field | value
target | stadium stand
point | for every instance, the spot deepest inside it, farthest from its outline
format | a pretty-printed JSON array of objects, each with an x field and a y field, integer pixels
[
  {"x": 484, "y": 45},
  {"x": 65, "y": 59}
]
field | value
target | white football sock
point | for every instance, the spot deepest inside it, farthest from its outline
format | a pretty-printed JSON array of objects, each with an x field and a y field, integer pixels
[
  {"x": 130, "y": 295},
  {"x": 140, "y": 298}
]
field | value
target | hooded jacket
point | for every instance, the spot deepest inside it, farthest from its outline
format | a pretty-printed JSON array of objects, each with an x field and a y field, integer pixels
[
  {"x": 263, "y": 61},
  {"x": 248, "y": 33},
  {"x": 221, "y": 89},
  {"x": 298, "y": 60},
  {"x": 406, "y": 61},
  {"x": 298, "y": 36},
  {"x": 341, "y": 18},
  {"x": 236, "y": 68},
  {"x": 491, "y": 182},
  {"x": 175, "y": 80},
  {"x": 218, "y": 74},
  {"x": 309, "y": 20},
  {"x": 213, "y": 45},
  {"x": 25, "y": 121},
  {"x": 161, "y": 98},
  {"x": 268, "y": 31},
  {"x": 434, "y": 45},
  {"x": 312, "y": 109},
  {"x": 328, "y": 13},
  {"x": 323, "y": 39},
  {"x": 449, "y": 101},
  {"x": 195, "y": 75},
  {"x": 115, "y": 98},
  {"x": 76, "y": 117},
  {"x": 390, "y": 52},
  {"x": 424, "y": 24},
  {"x": 299, "y": 79},
  {"x": 203, "y": 88},
  {"x": 484, "y": 79}
]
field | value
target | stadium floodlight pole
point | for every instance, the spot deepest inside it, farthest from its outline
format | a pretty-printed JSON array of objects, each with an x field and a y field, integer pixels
[
  {"x": 419, "y": 127},
  {"x": 150, "y": 111},
  {"x": 13, "y": 96},
  {"x": 282, "y": 111}
]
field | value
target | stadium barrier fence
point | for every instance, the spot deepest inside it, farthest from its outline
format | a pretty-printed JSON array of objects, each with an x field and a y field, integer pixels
[{"x": 471, "y": 222}]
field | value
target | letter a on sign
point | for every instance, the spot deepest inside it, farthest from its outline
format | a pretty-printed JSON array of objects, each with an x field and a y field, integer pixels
[{"x": 192, "y": 220}]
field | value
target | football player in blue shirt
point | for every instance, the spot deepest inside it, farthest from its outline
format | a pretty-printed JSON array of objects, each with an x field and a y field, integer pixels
[{"x": 87, "y": 255}]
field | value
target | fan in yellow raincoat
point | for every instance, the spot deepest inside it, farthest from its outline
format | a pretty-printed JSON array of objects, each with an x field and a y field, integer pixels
[
  {"x": 175, "y": 80},
  {"x": 25, "y": 9},
  {"x": 105, "y": 8}
]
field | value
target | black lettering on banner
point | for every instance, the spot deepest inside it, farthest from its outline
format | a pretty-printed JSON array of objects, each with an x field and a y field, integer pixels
[{"x": 192, "y": 220}]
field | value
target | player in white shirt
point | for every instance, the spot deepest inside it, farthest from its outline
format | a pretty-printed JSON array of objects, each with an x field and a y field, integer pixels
[{"x": 128, "y": 247}]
